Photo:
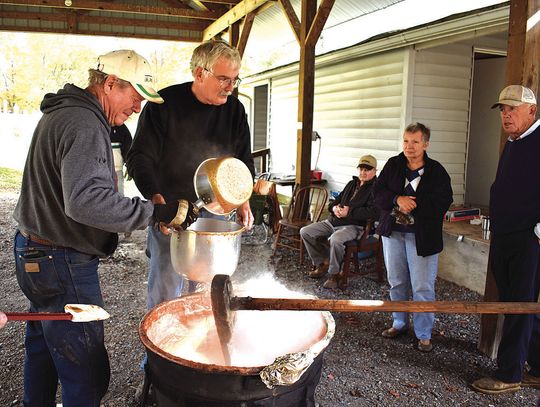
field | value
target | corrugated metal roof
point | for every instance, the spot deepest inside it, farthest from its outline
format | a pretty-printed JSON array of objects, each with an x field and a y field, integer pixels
[{"x": 272, "y": 42}]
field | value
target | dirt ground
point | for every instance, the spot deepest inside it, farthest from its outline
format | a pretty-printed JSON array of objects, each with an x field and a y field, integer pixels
[{"x": 360, "y": 367}]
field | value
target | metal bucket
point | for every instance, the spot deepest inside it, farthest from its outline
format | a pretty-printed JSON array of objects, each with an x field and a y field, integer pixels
[
  {"x": 208, "y": 247},
  {"x": 182, "y": 382}
]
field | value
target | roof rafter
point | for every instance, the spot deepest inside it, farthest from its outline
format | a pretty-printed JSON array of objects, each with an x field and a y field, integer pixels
[
  {"x": 232, "y": 16},
  {"x": 117, "y": 7}
]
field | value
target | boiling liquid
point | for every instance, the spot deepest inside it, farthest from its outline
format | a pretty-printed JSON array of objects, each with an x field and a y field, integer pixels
[{"x": 257, "y": 339}]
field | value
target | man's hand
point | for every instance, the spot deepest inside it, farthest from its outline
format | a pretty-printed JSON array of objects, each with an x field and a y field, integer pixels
[
  {"x": 177, "y": 214},
  {"x": 158, "y": 199},
  {"x": 406, "y": 204},
  {"x": 340, "y": 211},
  {"x": 244, "y": 215}
]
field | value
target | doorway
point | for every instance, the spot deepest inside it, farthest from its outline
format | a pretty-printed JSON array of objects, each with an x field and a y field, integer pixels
[{"x": 484, "y": 129}]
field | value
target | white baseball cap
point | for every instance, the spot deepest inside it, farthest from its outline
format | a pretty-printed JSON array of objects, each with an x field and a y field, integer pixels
[
  {"x": 515, "y": 95},
  {"x": 133, "y": 68}
]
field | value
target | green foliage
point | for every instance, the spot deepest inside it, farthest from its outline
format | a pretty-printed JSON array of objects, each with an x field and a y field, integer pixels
[
  {"x": 32, "y": 65},
  {"x": 10, "y": 180}
]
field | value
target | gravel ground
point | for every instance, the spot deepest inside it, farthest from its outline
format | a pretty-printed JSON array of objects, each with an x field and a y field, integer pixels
[{"x": 360, "y": 367}]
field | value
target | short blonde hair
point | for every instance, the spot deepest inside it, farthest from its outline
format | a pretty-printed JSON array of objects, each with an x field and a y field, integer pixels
[{"x": 206, "y": 54}]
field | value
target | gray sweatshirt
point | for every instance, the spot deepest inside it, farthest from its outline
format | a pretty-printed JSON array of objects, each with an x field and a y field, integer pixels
[{"x": 68, "y": 193}]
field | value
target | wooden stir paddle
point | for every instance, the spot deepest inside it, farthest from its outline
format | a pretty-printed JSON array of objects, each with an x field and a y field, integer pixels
[{"x": 224, "y": 304}]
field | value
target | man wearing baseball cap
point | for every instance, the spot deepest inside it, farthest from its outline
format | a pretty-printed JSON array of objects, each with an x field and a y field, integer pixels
[
  {"x": 348, "y": 215},
  {"x": 69, "y": 214},
  {"x": 515, "y": 241}
]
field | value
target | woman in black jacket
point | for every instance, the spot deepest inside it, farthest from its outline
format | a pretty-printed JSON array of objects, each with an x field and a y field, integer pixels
[{"x": 413, "y": 193}]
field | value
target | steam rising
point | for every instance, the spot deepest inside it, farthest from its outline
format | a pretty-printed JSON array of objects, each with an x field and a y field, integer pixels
[{"x": 258, "y": 337}]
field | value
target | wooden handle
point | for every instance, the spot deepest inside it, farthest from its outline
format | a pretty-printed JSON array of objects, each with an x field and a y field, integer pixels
[
  {"x": 38, "y": 316},
  {"x": 448, "y": 307}
]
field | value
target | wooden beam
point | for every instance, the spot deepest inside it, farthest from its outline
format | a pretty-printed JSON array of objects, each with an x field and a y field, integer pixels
[
  {"x": 234, "y": 33},
  {"x": 306, "y": 91},
  {"x": 72, "y": 21},
  {"x": 94, "y": 32},
  {"x": 244, "y": 36},
  {"x": 531, "y": 59},
  {"x": 117, "y": 8},
  {"x": 292, "y": 18},
  {"x": 128, "y": 23},
  {"x": 522, "y": 68},
  {"x": 195, "y": 5},
  {"x": 230, "y": 17},
  {"x": 320, "y": 20},
  {"x": 230, "y": 2}
]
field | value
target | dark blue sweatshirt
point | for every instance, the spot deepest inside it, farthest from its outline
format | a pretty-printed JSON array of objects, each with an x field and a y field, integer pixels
[{"x": 515, "y": 194}]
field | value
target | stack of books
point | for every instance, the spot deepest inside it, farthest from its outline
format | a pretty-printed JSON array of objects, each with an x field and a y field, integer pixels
[{"x": 457, "y": 214}]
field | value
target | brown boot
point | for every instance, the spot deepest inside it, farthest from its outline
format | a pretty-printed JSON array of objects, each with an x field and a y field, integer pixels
[
  {"x": 319, "y": 271},
  {"x": 332, "y": 281},
  {"x": 488, "y": 385}
]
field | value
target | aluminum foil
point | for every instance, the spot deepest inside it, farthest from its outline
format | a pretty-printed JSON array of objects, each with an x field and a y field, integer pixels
[{"x": 287, "y": 369}]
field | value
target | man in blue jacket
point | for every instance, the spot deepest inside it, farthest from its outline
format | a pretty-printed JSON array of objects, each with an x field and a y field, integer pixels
[{"x": 514, "y": 210}]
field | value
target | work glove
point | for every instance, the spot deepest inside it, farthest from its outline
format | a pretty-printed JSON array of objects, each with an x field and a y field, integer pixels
[{"x": 177, "y": 214}]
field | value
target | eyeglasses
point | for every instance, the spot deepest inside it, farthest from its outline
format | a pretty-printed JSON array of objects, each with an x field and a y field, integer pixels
[{"x": 224, "y": 81}]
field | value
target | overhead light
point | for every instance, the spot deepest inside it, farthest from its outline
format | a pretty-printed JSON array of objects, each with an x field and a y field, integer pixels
[{"x": 68, "y": 3}]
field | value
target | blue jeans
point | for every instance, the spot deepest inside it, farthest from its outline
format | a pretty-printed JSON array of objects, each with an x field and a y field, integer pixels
[
  {"x": 72, "y": 352},
  {"x": 164, "y": 283},
  {"x": 410, "y": 275}
]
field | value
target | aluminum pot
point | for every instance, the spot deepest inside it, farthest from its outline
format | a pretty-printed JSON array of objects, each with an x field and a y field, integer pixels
[
  {"x": 206, "y": 248},
  {"x": 222, "y": 184}
]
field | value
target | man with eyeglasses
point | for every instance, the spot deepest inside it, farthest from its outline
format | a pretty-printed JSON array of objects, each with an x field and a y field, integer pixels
[{"x": 199, "y": 120}]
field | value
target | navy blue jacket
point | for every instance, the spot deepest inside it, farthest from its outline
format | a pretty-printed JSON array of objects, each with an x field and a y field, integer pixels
[{"x": 433, "y": 198}]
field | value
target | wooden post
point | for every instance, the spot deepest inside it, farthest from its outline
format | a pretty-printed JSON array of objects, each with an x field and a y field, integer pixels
[
  {"x": 522, "y": 68},
  {"x": 306, "y": 91}
]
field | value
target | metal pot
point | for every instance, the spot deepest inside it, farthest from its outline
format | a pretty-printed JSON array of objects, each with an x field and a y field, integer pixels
[
  {"x": 222, "y": 184},
  {"x": 208, "y": 247}
]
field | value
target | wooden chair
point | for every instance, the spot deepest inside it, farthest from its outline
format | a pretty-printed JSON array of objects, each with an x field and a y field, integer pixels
[
  {"x": 367, "y": 242},
  {"x": 266, "y": 213},
  {"x": 306, "y": 207}
]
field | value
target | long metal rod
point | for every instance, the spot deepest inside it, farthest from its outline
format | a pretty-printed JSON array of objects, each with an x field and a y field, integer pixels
[{"x": 449, "y": 307}]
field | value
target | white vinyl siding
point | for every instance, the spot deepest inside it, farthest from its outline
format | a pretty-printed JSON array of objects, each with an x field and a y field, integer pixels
[
  {"x": 440, "y": 100},
  {"x": 358, "y": 107},
  {"x": 260, "y": 117}
]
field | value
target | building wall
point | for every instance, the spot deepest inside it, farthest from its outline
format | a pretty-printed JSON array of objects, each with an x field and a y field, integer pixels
[
  {"x": 440, "y": 100},
  {"x": 358, "y": 106},
  {"x": 362, "y": 104}
]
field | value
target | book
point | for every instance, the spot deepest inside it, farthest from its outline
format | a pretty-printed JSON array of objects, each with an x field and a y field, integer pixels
[
  {"x": 460, "y": 218},
  {"x": 462, "y": 212}
]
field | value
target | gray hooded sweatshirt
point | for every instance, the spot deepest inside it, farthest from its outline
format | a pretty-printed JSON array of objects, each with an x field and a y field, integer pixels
[{"x": 68, "y": 193}]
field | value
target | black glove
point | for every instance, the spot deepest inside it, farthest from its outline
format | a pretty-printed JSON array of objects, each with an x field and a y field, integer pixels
[{"x": 178, "y": 214}]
